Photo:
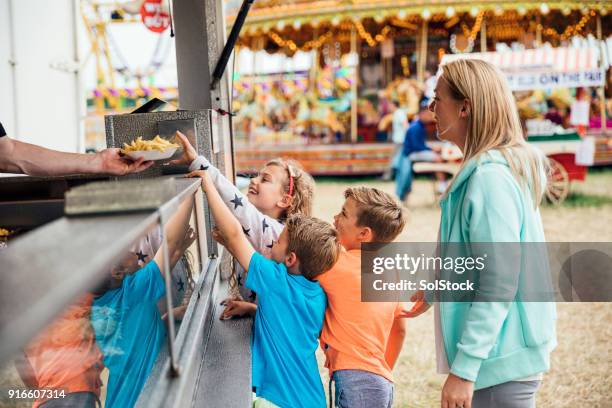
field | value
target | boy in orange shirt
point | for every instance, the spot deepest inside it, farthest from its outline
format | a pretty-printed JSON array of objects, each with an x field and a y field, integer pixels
[{"x": 361, "y": 340}]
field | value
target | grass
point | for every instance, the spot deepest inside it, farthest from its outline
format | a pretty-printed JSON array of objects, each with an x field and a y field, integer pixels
[
  {"x": 581, "y": 363},
  {"x": 577, "y": 200}
]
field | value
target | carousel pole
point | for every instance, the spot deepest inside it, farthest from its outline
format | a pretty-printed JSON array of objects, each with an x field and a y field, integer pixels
[
  {"x": 483, "y": 35},
  {"x": 601, "y": 91},
  {"x": 538, "y": 40},
  {"x": 422, "y": 53},
  {"x": 354, "y": 85}
]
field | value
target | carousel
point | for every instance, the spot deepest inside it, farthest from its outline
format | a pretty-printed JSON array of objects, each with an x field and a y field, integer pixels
[{"x": 334, "y": 115}]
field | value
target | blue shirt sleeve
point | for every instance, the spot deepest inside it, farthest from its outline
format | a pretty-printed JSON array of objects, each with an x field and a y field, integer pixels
[
  {"x": 264, "y": 274},
  {"x": 415, "y": 138},
  {"x": 146, "y": 284},
  {"x": 407, "y": 149}
]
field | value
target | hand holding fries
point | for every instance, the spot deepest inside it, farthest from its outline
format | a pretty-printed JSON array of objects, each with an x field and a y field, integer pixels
[{"x": 157, "y": 143}]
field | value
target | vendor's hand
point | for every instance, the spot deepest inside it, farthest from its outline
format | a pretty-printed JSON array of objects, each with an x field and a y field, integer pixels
[
  {"x": 109, "y": 161},
  {"x": 238, "y": 308},
  {"x": 420, "y": 305},
  {"x": 457, "y": 393},
  {"x": 189, "y": 153},
  {"x": 218, "y": 236}
]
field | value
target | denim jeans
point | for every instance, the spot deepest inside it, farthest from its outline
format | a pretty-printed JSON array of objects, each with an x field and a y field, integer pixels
[
  {"x": 397, "y": 156},
  {"x": 361, "y": 389},
  {"x": 74, "y": 400},
  {"x": 403, "y": 178},
  {"x": 512, "y": 394}
]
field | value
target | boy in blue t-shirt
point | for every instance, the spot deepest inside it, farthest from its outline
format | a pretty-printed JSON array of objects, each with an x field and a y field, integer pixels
[
  {"x": 291, "y": 305},
  {"x": 126, "y": 320}
]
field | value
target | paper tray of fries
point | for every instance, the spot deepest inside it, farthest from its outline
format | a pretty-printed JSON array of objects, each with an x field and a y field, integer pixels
[{"x": 156, "y": 149}]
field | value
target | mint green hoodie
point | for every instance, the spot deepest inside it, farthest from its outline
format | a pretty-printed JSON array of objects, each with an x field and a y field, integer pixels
[{"x": 494, "y": 342}]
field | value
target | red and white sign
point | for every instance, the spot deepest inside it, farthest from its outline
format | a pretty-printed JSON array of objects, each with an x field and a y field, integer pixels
[{"x": 154, "y": 16}]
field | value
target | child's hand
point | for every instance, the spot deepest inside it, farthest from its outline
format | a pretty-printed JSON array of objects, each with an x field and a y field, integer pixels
[
  {"x": 227, "y": 300},
  {"x": 189, "y": 153},
  {"x": 178, "y": 312},
  {"x": 420, "y": 305},
  {"x": 203, "y": 174},
  {"x": 190, "y": 237},
  {"x": 238, "y": 308},
  {"x": 218, "y": 236}
]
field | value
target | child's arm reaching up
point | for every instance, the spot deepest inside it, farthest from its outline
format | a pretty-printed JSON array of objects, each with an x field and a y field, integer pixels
[
  {"x": 178, "y": 235},
  {"x": 264, "y": 230},
  {"x": 237, "y": 243}
]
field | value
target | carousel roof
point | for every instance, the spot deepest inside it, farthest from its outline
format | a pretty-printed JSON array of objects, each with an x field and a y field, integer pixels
[
  {"x": 268, "y": 14},
  {"x": 289, "y": 26}
]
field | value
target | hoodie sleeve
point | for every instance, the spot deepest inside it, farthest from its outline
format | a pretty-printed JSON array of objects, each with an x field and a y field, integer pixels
[
  {"x": 262, "y": 231},
  {"x": 492, "y": 214}
]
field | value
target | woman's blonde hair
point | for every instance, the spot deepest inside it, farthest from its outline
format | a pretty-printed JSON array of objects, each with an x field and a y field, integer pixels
[
  {"x": 494, "y": 121},
  {"x": 298, "y": 184}
]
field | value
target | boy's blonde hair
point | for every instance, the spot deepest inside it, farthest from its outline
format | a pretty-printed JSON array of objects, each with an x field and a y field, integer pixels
[
  {"x": 302, "y": 190},
  {"x": 315, "y": 243},
  {"x": 379, "y": 211},
  {"x": 494, "y": 122}
]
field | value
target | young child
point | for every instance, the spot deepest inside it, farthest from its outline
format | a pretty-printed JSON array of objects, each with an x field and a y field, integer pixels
[
  {"x": 126, "y": 320},
  {"x": 291, "y": 305},
  {"x": 280, "y": 189},
  {"x": 361, "y": 340},
  {"x": 65, "y": 357}
]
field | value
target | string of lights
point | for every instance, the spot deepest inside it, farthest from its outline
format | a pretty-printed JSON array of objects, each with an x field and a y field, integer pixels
[{"x": 502, "y": 27}]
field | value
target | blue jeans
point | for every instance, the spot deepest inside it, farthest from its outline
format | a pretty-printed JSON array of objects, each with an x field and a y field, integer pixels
[
  {"x": 403, "y": 178},
  {"x": 74, "y": 400},
  {"x": 397, "y": 156},
  {"x": 361, "y": 389}
]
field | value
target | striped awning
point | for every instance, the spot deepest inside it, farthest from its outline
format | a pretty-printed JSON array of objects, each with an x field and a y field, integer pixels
[{"x": 544, "y": 68}]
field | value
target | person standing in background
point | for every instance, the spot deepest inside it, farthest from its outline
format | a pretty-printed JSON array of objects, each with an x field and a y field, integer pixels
[{"x": 399, "y": 126}]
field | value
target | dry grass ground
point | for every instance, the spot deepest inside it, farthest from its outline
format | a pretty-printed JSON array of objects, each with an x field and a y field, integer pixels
[{"x": 581, "y": 364}]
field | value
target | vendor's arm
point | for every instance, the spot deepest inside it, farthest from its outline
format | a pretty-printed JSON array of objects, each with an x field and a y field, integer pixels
[{"x": 26, "y": 158}]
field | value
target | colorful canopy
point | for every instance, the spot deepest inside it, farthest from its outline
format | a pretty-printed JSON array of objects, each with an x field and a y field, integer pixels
[{"x": 544, "y": 68}]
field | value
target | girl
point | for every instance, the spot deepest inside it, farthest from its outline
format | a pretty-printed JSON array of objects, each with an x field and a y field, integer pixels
[{"x": 280, "y": 189}]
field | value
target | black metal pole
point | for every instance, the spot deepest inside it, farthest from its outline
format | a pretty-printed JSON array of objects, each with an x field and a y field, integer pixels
[{"x": 231, "y": 42}]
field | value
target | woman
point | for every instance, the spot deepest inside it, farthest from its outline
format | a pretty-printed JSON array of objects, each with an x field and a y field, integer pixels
[{"x": 494, "y": 352}]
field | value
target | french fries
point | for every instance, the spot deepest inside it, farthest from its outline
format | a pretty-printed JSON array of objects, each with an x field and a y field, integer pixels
[{"x": 158, "y": 143}]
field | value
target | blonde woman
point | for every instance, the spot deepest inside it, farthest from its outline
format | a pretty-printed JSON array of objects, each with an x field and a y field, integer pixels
[{"x": 493, "y": 352}]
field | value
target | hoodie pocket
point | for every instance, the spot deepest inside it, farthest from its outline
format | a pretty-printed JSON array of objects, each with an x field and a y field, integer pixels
[{"x": 537, "y": 322}]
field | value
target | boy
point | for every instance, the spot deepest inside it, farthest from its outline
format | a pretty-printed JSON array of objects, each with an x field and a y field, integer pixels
[
  {"x": 291, "y": 305},
  {"x": 361, "y": 340},
  {"x": 126, "y": 320}
]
